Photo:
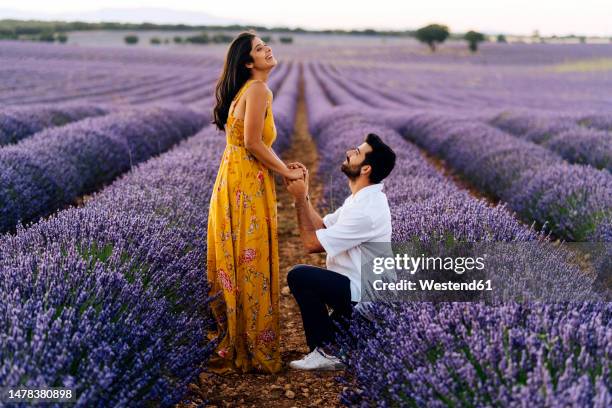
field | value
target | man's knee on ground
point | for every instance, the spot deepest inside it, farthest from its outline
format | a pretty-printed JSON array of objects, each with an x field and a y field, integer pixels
[{"x": 296, "y": 275}]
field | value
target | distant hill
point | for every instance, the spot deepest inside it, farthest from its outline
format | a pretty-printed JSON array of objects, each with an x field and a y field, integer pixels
[{"x": 131, "y": 15}]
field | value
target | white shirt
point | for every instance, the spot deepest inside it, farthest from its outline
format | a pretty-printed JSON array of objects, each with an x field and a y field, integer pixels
[{"x": 364, "y": 217}]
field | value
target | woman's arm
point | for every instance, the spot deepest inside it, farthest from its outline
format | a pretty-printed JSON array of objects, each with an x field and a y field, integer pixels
[{"x": 256, "y": 97}]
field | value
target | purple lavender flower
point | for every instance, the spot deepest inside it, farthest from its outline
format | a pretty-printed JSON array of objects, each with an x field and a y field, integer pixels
[
  {"x": 50, "y": 170},
  {"x": 458, "y": 354},
  {"x": 19, "y": 123}
]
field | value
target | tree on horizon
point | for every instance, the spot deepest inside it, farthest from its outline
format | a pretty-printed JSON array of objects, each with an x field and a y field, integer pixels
[{"x": 432, "y": 34}]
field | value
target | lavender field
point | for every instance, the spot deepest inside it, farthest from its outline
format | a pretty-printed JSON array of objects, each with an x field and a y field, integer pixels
[{"x": 107, "y": 158}]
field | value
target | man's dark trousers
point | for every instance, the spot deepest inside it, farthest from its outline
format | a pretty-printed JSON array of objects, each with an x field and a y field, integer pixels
[{"x": 314, "y": 289}]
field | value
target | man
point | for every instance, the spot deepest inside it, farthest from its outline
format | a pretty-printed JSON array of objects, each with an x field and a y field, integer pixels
[{"x": 364, "y": 217}]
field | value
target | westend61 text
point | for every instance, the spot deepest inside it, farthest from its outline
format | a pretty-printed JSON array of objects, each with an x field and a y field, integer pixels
[{"x": 404, "y": 285}]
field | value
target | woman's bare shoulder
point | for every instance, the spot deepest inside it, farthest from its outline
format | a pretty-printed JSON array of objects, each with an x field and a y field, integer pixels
[{"x": 258, "y": 89}]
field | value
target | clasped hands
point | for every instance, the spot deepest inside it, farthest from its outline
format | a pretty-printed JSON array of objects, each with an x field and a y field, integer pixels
[{"x": 297, "y": 186}]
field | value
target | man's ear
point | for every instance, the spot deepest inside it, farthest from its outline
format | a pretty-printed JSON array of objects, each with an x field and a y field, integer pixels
[{"x": 367, "y": 169}]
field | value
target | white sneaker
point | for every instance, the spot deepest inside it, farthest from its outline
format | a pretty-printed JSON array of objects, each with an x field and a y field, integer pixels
[{"x": 317, "y": 360}]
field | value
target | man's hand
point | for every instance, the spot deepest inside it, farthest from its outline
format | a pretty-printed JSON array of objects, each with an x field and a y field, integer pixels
[
  {"x": 301, "y": 190},
  {"x": 308, "y": 219},
  {"x": 297, "y": 188}
]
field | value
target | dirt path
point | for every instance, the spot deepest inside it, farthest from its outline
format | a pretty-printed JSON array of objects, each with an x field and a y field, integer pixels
[{"x": 289, "y": 388}]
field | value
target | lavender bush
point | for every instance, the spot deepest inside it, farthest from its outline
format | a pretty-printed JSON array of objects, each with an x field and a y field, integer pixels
[
  {"x": 469, "y": 354},
  {"x": 502, "y": 166},
  {"x": 103, "y": 75},
  {"x": 51, "y": 169},
  {"x": 602, "y": 122},
  {"x": 19, "y": 123},
  {"x": 284, "y": 117},
  {"x": 573, "y": 199},
  {"x": 110, "y": 298},
  {"x": 584, "y": 146},
  {"x": 563, "y": 135}
]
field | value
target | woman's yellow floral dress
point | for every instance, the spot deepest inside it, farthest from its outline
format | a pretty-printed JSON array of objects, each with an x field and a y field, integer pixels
[{"x": 242, "y": 255}]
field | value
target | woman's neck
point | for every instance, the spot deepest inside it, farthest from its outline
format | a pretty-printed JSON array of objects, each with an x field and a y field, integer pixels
[{"x": 260, "y": 75}]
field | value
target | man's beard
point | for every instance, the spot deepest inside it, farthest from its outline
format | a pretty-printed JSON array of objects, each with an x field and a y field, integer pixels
[{"x": 352, "y": 172}]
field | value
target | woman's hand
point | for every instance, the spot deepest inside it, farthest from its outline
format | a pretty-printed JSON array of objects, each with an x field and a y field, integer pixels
[
  {"x": 294, "y": 174},
  {"x": 298, "y": 165}
]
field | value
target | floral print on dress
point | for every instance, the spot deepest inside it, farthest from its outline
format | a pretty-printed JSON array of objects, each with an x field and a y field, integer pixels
[
  {"x": 266, "y": 336},
  {"x": 226, "y": 282},
  {"x": 253, "y": 225},
  {"x": 242, "y": 256},
  {"x": 249, "y": 255},
  {"x": 238, "y": 192}
]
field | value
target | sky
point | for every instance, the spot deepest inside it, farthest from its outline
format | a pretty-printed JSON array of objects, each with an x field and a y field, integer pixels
[{"x": 561, "y": 17}]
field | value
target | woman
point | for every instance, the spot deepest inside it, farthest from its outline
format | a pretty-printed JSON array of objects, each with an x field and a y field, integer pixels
[{"x": 242, "y": 252}]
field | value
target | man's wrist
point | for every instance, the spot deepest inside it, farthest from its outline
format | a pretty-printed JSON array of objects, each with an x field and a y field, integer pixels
[{"x": 302, "y": 199}]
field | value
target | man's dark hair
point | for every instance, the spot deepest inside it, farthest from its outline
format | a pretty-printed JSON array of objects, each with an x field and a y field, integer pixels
[{"x": 381, "y": 158}]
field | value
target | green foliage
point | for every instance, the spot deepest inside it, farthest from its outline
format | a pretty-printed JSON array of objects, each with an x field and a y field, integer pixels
[
  {"x": 61, "y": 37},
  {"x": 286, "y": 40},
  {"x": 432, "y": 34},
  {"x": 201, "y": 38},
  {"x": 46, "y": 36},
  {"x": 473, "y": 38},
  {"x": 7, "y": 34},
  {"x": 267, "y": 39},
  {"x": 35, "y": 27},
  {"x": 131, "y": 39},
  {"x": 155, "y": 41},
  {"x": 501, "y": 38},
  {"x": 204, "y": 38},
  {"x": 222, "y": 38},
  {"x": 178, "y": 39}
]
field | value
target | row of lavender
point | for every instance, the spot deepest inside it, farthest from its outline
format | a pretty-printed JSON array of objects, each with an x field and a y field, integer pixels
[
  {"x": 458, "y": 354},
  {"x": 111, "y": 298},
  {"x": 51, "y": 169},
  {"x": 578, "y": 138},
  {"x": 497, "y": 55},
  {"x": 575, "y": 86},
  {"x": 471, "y": 354},
  {"x": 110, "y": 77},
  {"x": 128, "y": 85},
  {"x": 19, "y": 123},
  {"x": 103, "y": 76},
  {"x": 284, "y": 118},
  {"x": 572, "y": 201}
]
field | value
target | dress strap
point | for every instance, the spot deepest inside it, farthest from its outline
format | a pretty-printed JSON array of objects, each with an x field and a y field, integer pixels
[{"x": 242, "y": 91}]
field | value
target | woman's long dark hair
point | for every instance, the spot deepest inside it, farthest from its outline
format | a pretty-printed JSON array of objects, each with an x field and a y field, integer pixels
[{"x": 234, "y": 75}]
